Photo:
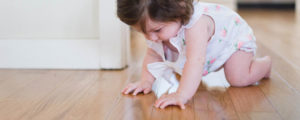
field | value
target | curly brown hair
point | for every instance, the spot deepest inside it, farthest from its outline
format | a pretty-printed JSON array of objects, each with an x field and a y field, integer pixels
[{"x": 134, "y": 12}]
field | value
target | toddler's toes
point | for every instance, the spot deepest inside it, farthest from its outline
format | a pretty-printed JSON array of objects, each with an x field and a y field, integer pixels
[{"x": 269, "y": 61}]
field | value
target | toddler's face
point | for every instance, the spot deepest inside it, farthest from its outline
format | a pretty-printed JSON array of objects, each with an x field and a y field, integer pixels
[{"x": 159, "y": 31}]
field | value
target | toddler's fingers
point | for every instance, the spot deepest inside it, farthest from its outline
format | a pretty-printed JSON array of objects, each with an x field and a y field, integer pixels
[
  {"x": 147, "y": 90},
  {"x": 159, "y": 102},
  {"x": 137, "y": 90},
  {"x": 166, "y": 103},
  {"x": 124, "y": 89},
  {"x": 130, "y": 89},
  {"x": 181, "y": 105}
]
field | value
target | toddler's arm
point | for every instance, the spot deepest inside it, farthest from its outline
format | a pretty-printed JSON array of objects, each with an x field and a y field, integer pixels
[
  {"x": 197, "y": 39},
  {"x": 151, "y": 57},
  {"x": 145, "y": 84}
]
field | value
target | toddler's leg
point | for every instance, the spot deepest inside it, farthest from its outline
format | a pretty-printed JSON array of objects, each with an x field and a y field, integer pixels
[{"x": 242, "y": 70}]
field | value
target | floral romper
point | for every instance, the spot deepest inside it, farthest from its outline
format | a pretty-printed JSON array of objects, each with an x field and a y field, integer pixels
[{"x": 232, "y": 33}]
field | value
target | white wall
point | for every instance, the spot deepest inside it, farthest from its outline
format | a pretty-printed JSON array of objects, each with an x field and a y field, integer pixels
[
  {"x": 48, "y": 19},
  {"x": 59, "y": 34}
]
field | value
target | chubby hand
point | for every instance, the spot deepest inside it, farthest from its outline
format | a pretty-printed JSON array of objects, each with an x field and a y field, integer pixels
[
  {"x": 171, "y": 99},
  {"x": 137, "y": 87}
]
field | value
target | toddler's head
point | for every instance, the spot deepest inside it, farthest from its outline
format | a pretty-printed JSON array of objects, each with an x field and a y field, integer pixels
[{"x": 157, "y": 19}]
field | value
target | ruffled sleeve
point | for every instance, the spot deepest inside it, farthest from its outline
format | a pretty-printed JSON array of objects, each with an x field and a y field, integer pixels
[
  {"x": 196, "y": 15},
  {"x": 157, "y": 47}
]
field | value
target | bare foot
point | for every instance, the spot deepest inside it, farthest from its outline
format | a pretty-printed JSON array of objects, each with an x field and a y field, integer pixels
[{"x": 269, "y": 61}]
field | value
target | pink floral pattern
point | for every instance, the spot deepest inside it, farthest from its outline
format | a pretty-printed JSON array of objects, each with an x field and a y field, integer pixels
[
  {"x": 224, "y": 32},
  {"x": 211, "y": 61},
  {"x": 205, "y": 9},
  {"x": 237, "y": 21},
  {"x": 250, "y": 37},
  {"x": 205, "y": 73},
  {"x": 239, "y": 45},
  {"x": 218, "y": 7}
]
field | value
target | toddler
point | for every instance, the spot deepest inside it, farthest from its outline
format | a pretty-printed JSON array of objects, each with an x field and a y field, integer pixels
[{"x": 198, "y": 38}]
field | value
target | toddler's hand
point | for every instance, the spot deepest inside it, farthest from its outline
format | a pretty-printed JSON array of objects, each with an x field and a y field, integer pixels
[
  {"x": 137, "y": 87},
  {"x": 171, "y": 99}
]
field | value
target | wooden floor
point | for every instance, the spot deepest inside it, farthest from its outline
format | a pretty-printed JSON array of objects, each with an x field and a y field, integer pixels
[{"x": 95, "y": 95}]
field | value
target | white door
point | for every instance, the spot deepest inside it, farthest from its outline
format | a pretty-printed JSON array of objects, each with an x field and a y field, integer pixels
[{"x": 61, "y": 34}]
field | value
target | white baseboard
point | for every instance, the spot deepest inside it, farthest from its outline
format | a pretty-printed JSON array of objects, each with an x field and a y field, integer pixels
[{"x": 50, "y": 54}]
